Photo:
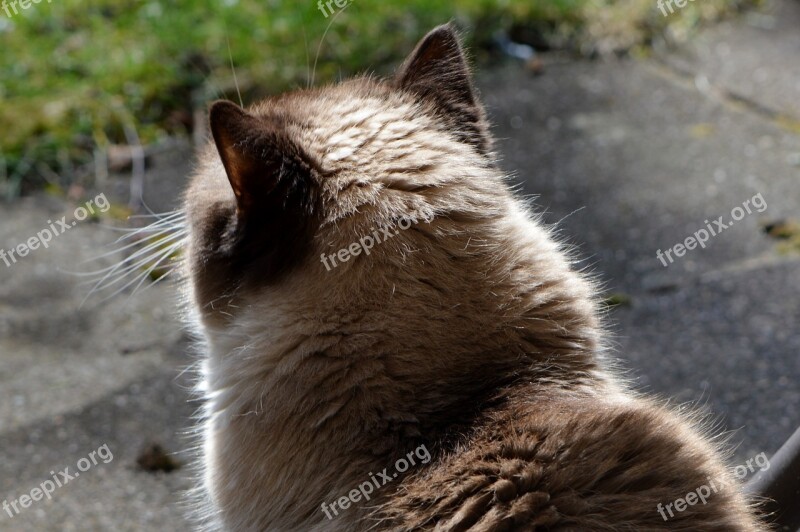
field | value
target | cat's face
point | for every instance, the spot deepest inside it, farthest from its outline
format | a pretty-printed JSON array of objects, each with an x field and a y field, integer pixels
[{"x": 292, "y": 181}]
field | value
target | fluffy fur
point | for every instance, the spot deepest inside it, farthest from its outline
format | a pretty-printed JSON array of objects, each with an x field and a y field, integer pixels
[{"x": 470, "y": 334}]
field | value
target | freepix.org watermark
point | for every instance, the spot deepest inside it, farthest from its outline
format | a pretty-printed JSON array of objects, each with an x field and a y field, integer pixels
[
  {"x": 701, "y": 236},
  {"x": 341, "y": 4},
  {"x": 366, "y": 243},
  {"x": 9, "y": 6},
  {"x": 704, "y": 492},
  {"x": 680, "y": 3},
  {"x": 59, "y": 480},
  {"x": 365, "y": 489},
  {"x": 56, "y": 228}
]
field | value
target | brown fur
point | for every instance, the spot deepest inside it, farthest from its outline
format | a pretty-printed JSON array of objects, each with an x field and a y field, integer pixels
[{"x": 469, "y": 334}]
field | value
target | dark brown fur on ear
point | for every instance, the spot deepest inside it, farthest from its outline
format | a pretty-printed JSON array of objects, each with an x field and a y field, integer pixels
[
  {"x": 437, "y": 70},
  {"x": 273, "y": 182},
  {"x": 258, "y": 157}
]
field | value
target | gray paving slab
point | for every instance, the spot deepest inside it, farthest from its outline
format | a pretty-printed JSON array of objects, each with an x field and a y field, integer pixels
[
  {"x": 630, "y": 158},
  {"x": 647, "y": 160},
  {"x": 755, "y": 57},
  {"x": 75, "y": 377}
]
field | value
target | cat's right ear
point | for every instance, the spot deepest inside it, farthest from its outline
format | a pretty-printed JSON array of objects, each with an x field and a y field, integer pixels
[
  {"x": 263, "y": 166},
  {"x": 437, "y": 70}
]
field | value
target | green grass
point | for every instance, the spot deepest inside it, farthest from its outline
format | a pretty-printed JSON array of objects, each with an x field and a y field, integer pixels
[
  {"x": 617, "y": 300},
  {"x": 76, "y": 76}
]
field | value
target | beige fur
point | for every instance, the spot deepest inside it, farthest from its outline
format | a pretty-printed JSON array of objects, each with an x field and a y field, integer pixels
[{"x": 470, "y": 334}]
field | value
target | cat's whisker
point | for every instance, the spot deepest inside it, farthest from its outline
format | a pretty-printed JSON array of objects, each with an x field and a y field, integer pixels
[
  {"x": 102, "y": 284},
  {"x": 157, "y": 223},
  {"x": 321, "y": 41},
  {"x": 115, "y": 251},
  {"x": 150, "y": 213},
  {"x": 160, "y": 278},
  {"x": 170, "y": 223},
  {"x": 235, "y": 81},
  {"x": 168, "y": 253},
  {"x": 123, "y": 272},
  {"x": 158, "y": 257},
  {"x": 155, "y": 214},
  {"x": 308, "y": 58},
  {"x": 168, "y": 238},
  {"x": 149, "y": 232},
  {"x": 158, "y": 240},
  {"x": 158, "y": 217},
  {"x": 120, "y": 229}
]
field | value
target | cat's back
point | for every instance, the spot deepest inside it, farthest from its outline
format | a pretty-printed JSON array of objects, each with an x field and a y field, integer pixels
[{"x": 571, "y": 461}]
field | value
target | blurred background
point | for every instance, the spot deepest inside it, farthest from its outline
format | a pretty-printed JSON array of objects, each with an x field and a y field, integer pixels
[{"x": 630, "y": 128}]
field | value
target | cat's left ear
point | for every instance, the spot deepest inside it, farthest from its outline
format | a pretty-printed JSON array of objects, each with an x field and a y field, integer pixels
[
  {"x": 266, "y": 170},
  {"x": 437, "y": 70},
  {"x": 271, "y": 179}
]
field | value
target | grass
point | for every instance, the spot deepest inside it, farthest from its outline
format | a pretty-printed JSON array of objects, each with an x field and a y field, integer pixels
[
  {"x": 617, "y": 299},
  {"x": 79, "y": 76}
]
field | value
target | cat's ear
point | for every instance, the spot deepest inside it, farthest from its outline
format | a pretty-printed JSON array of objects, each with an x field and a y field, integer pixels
[
  {"x": 262, "y": 164},
  {"x": 437, "y": 70}
]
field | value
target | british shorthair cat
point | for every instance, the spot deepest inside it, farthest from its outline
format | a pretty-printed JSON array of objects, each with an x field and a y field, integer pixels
[{"x": 450, "y": 371}]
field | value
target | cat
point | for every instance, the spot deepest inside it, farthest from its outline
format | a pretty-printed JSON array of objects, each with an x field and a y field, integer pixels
[{"x": 466, "y": 337}]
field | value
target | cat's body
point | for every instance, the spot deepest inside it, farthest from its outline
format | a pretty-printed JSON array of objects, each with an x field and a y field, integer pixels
[{"x": 468, "y": 334}]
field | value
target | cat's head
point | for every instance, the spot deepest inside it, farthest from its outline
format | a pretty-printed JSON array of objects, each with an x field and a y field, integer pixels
[
  {"x": 301, "y": 176},
  {"x": 368, "y": 202}
]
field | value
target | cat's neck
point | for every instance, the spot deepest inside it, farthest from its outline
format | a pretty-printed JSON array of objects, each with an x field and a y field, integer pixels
[
  {"x": 408, "y": 334},
  {"x": 372, "y": 376}
]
